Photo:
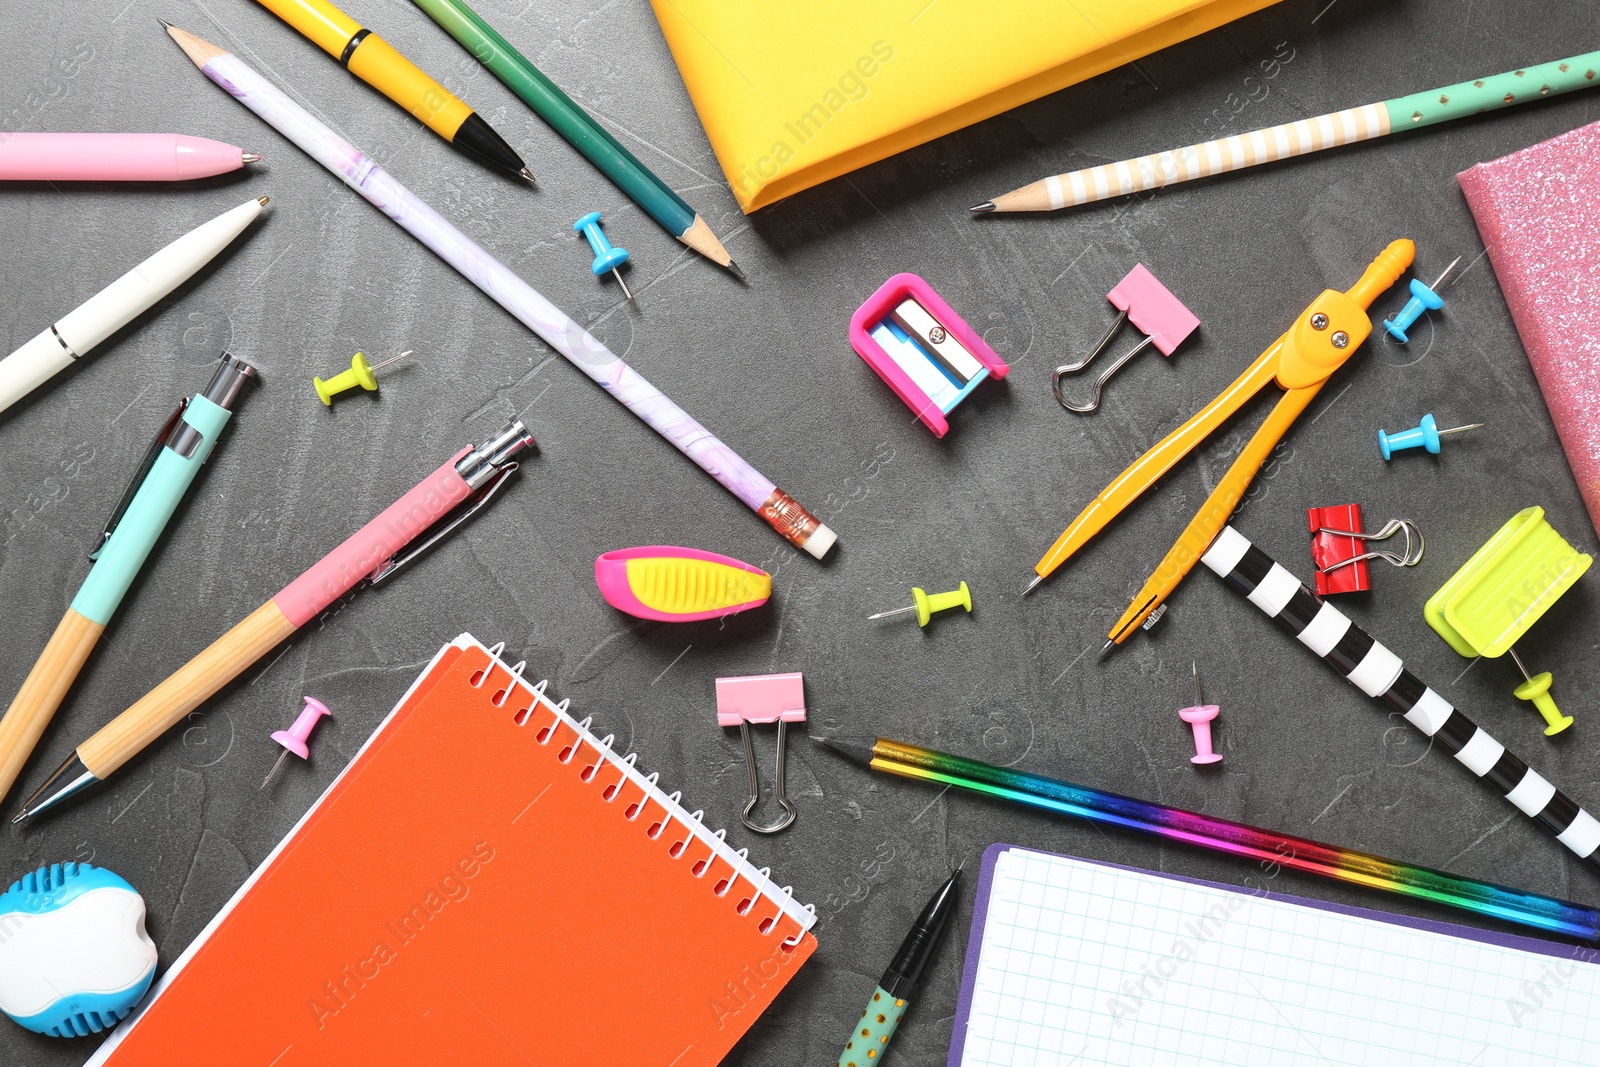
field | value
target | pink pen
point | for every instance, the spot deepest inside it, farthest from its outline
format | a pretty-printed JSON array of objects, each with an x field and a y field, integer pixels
[
  {"x": 115, "y": 157},
  {"x": 439, "y": 504}
]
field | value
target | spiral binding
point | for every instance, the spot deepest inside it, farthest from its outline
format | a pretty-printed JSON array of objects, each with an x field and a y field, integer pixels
[{"x": 626, "y": 772}]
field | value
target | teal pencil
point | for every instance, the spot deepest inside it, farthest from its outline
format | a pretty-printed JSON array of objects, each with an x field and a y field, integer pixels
[{"x": 581, "y": 131}]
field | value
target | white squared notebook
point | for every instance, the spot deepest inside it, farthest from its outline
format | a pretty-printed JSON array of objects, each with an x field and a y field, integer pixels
[{"x": 1073, "y": 962}]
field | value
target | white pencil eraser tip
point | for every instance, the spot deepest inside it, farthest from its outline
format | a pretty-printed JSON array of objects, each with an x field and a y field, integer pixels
[{"x": 820, "y": 541}]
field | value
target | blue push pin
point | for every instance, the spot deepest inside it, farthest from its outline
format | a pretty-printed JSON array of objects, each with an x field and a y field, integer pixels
[
  {"x": 1423, "y": 298},
  {"x": 1426, "y": 435},
  {"x": 606, "y": 258}
]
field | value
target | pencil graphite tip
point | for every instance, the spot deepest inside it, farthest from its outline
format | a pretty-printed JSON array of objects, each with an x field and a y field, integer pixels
[
  {"x": 733, "y": 269},
  {"x": 1105, "y": 649},
  {"x": 1031, "y": 586},
  {"x": 854, "y": 751},
  {"x": 983, "y": 208},
  {"x": 168, "y": 25}
]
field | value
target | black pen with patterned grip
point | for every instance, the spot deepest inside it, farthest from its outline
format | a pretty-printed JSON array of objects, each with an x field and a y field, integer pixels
[{"x": 877, "y": 1025}]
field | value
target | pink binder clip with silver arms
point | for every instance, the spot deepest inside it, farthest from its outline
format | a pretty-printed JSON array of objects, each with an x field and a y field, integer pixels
[
  {"x": 779, "y": 698},
  {"x": 1159, "y": 315}
]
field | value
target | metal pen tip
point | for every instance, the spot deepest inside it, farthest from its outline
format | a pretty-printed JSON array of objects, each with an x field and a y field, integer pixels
[
  {"x": 251, "y": 157},
  {"x": 625, "y": 290},
  {"x": 263, "y": 200},
  {"x": 528, "y": 175},
  {"x": 983, "y": 208},
  {"x": 1033, "y": 585},
  {"x": 733, "y": 269},
  {"x": 19, "y": 816}
]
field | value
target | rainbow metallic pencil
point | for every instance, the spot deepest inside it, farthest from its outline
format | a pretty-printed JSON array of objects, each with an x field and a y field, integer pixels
[{"x": 1220, "y": 835}]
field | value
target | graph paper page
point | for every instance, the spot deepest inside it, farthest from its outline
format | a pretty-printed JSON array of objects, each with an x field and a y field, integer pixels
[{"x": 1083, "y": 964}]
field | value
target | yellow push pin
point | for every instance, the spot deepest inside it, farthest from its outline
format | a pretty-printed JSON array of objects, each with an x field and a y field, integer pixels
[
  {"x": 1537, "y": 689},
  {"x": 360, "y": 373},
  {"x": 1504, "y": 589},
  {"x": 926, "y": 605}
]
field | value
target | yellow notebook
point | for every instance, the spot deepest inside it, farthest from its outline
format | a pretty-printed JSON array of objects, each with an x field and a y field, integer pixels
[{"x": 792, "y": 94}]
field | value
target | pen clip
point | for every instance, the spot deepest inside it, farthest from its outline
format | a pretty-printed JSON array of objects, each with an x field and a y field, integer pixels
[
  {"x": 446, "y": 525},
  {"x": 149, "y": 460}
]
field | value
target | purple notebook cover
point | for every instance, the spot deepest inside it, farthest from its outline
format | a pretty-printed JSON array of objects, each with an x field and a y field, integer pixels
[{"x": 980, "y": 916}]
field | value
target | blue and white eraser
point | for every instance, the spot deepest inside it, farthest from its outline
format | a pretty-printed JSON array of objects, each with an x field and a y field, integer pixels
[{"x": 74, "y": 954}]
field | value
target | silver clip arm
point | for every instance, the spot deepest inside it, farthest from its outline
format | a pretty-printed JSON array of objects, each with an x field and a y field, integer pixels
[
  {"x": 139, "y": 475},
  {"x": 445, "y": 526}
]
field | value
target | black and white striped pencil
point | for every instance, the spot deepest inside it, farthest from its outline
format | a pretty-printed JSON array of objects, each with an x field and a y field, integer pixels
[{"x": 1380, "y": 674}]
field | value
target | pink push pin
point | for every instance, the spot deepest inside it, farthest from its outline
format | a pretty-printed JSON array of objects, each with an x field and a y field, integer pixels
[
  {"x": 295, "y": 737},
  {"x": 1200, "y": 717}
]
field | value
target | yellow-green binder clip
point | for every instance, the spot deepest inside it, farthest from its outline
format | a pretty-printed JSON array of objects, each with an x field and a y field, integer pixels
[{"x": 1504, "y": 589}]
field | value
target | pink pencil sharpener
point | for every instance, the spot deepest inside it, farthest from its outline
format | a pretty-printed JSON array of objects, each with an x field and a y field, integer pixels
[{"x": 922, "y": 349}]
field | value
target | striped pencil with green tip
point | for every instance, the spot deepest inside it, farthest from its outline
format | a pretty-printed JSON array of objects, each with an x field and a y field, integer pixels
[
  {"x": 1299, "y": 138},
  {"x": 580, "y": 130}
]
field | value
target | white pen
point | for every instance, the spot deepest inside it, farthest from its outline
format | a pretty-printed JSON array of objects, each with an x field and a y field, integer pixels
[{"x": 119, "y": 303}]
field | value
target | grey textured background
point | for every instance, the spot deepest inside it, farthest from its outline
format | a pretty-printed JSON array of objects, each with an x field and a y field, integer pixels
[{"x": 768, "y": 367}]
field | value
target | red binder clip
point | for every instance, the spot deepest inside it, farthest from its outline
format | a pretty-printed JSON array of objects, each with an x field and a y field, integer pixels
[{"x": 1339, "y": 547}]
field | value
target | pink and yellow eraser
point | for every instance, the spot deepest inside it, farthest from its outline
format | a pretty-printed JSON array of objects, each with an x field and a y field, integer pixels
[
  {"x": 761, "y": 698},
  {"x": 671, "y": 584}
]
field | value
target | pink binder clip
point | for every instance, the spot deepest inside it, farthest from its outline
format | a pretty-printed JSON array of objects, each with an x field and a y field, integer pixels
[
  {"x": 1159, "y": 315},
  {"x": 922, "y": 349},
  {"x": 779, "y": 698}
]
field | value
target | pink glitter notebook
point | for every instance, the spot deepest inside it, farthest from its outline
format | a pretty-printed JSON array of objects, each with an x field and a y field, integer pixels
[{"x": 1539, "y": 213}]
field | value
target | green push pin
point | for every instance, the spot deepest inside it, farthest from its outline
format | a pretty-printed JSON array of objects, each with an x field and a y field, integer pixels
[
  {"x": 360, "y": 373},
  {"x": 926, "y": 606},
  {"x": 1537, "y": 689}
]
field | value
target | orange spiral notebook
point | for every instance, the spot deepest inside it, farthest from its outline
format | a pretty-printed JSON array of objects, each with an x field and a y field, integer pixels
[{"x": 487, "y": 883}]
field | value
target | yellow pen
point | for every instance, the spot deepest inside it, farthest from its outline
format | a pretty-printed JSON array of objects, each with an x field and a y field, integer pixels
[{"x": 374, "y": 60}]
